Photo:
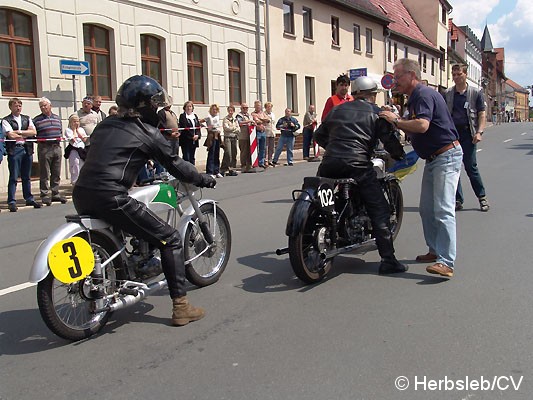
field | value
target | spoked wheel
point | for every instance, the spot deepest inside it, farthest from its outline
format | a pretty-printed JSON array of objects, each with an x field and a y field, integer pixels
[
  {"x": 67, "y": 309},
  {"x": 395, "y": 198},
  {"x": 305, "y": 249},
  {"x": 205, "y": 264}
]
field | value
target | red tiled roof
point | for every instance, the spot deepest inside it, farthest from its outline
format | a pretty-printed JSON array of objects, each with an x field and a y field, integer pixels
[
  {"x": 515, "y": 85},
  {"x": 402, "y": 21}
]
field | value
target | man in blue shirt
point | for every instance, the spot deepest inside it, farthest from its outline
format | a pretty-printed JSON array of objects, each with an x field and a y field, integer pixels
[
  {"x": 287, "y": 125},
  {"x": 435, "y": 139},
  {"x": 467, "y": 106}
]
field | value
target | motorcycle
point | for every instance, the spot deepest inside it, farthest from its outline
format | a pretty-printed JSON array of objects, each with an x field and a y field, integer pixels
[
  {"x": 87, "y": 269},
  {"x": 328, "y": 218}
]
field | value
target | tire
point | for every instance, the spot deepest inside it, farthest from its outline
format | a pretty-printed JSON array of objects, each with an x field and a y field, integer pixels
[
  {"x": 395, "y": 198},
  {"x": 65, "y": 308},
  {"x": 207, "y": 268},
  {"x": 306, "y": 246}
]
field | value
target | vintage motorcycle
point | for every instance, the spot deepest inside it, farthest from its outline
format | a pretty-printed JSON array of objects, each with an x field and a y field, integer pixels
[
  {"x": 86, "y": 268},
  {"x": 328, "y": 218}
]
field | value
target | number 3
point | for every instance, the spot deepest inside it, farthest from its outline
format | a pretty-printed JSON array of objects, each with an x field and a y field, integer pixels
[{"x": 76, "y": 271}]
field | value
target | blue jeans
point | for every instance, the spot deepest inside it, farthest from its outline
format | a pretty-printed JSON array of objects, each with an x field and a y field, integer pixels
[
  {"x": 188, "y": 150},
  {"x": 470, "y": 163},
  {"x": 213, "y": 158},
  {"x": 19, "y": 164},
  {"x": 308, "y": 139},
  {"x": 289, "y": 142},
  {"x": 261, "y": 147},
  {"x": 437, "y": 204}
]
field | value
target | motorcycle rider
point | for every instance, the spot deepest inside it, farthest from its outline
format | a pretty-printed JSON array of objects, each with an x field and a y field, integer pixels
[
  {"x": 350, "y": 133},
  {"x": 120, "y": 147}
]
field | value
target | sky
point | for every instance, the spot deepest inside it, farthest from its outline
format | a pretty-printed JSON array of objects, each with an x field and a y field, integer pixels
[{"x": 510, "y": 24}]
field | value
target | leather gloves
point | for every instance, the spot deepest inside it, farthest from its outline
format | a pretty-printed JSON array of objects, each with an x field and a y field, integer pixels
[{"x": 207, "y": 181}]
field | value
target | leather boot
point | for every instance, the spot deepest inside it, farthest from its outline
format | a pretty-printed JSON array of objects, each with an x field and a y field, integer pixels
[
  {"x": 392, "y": 266},
  {"x": 183, "y": 312}
]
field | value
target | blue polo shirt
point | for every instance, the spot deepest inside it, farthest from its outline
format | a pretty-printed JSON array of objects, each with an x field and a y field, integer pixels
[{"x": 426, "y": 103}]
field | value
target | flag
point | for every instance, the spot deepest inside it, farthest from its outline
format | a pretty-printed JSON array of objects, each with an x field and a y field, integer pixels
[{"x": 400, "y": 169}]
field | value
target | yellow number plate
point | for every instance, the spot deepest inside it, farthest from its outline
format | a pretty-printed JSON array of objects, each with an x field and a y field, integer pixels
[{"x": 71, "y": 260}]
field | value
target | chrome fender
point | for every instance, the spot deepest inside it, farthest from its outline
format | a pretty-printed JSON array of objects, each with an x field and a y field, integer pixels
[
  {"x": 39, "y": 269},
  {"x": 188, "y": 215}
]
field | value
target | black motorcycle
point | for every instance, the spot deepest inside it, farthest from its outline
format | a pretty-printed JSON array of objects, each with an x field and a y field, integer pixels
[{"x": 329, "y": 218}]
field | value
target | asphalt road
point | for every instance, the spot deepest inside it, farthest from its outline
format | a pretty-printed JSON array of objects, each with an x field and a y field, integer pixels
[{"x": 267, "y": 336}]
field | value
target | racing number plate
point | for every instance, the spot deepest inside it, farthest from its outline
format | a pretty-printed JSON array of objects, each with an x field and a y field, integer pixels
[
  {"x": 326, "y": 197},
  {"x": 71, "y": 260}
]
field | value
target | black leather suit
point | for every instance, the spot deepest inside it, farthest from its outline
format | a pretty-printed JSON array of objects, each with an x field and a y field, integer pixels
[
  {"x": 350, "y": 135},
  {"x": 120, "y": 147}
]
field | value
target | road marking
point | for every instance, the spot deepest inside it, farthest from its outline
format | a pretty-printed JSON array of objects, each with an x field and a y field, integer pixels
[
  {"x": 522, "y": 134},
  {"x": 478, "y": 150},
  {"x": 16, "y": 288},
  {"x": 508, "y": 140}
]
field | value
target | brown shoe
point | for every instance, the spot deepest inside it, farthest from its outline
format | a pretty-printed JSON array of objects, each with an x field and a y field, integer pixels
[
  {"x": 440, "y": 269},
  {"x": 183, "y": 312},
  {"x": 429, "y": 257}
]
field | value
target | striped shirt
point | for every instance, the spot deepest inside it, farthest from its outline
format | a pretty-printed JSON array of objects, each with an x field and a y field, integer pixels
[{"x": 48, "y": 127}]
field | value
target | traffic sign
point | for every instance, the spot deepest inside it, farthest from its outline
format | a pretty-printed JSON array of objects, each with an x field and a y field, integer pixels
[
  {"x": 357, "y": 72},
  {"x": 74, "y": 67},
  {"x": 387, "y": 81}
]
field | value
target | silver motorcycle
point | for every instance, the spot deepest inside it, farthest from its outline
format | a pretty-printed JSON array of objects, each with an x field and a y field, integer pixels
[{"x": 86, "y": 268}]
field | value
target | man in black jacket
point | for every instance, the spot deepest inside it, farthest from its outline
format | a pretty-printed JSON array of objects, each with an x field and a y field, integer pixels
[
  {"x": 120, "y": 147},
  {"x": 350, "y": 133}
]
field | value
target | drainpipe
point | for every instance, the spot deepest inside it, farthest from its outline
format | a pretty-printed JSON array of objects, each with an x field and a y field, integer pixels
[
  {"x": 387, "y": 38},
  {"x": 258, "y": 50},
  {"x": 267, "y": 50}
]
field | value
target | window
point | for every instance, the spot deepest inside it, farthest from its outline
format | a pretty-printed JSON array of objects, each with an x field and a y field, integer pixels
[
  {"x": 335, "y": 39},
  {"x": 195, "y": 70},
  {"x": 292, "y": 103},
  {"x": 288, "y": 17},
  {"x": 308, "y": 22},
  {"x": 420, "y": 58},
  {"x": 151, "y": 57},
  {"x": 395, "y": 52},
  {"x": 96, "y": 48},
  {"x": 444, "y": 15},
  {"x": 389, "y": 51},
  {"x": 309, "y": 91},
  {"x": 424, "y": 63},
  {"x": 17, "y": 65},
  {"x": 432, "y": 66},
  {"x": 405, "y": 52},
  {"x": 368, "y": 41},
  {"x": 442, "y": 61},
  {"x": 235, "y": 79},
  {"x": 356, "y": 37}
]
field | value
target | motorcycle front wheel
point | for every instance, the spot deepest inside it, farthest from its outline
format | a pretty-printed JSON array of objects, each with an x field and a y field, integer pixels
[
  {"x": 395, "y": 198},
  {"x": 305, "y": 248},
  {"x": 67, "y": 309},
  {"x": 204, "y": 264}
]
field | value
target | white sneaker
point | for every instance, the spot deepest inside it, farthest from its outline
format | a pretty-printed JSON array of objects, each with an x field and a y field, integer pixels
[
  {"x": 219, "y": 175},
  {"x": 213, "y": 176}
]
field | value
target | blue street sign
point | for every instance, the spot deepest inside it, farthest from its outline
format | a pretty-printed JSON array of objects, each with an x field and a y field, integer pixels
[
  {"x": 74, "y": 67},
  {"x": 357, "y": 72}
]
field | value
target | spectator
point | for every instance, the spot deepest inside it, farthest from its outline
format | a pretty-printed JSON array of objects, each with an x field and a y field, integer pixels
[
  {"x": 75, "y": 151},
  {"x": 19, "y": 127},
  {"x": 245, "y": 121},
  {"x": 434, "y": 139},
  {"x": 97, "y": 102},
  {"x": 189, "y": 122},
  {"x": 467, "y": 106},
  {"x": 341, "y": 95},
  {"x": 287, "y": 125},
  {"x": 2, "y": 146},
  {"x": 270, "y": 134},
  {"x": 88, "y": 118},
  {"x": 231, "y": 129},
  {"x": 113, "y": 110},
  {"x": 212, "y": 142},
  {"x": 48, "y": 126},
  {"x": 308, "y": 129},
  {"x": 169, "y": 121},
  {"x": 260, "y": 120}
]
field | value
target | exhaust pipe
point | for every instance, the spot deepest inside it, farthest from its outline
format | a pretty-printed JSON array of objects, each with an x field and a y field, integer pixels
[
  {"x": 369, "y": 245},
  {"x": 131, "y": 299}
]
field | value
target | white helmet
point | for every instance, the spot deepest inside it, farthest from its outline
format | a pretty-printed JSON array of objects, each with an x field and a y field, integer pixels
[{"x": 364, "y": 84}]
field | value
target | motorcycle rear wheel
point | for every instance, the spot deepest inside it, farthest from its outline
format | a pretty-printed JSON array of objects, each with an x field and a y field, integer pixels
[
  {"x": 207, "y": 268},
  {"x": 395, "y": 199},
  {"x": 66, "y": 308},
  {"x": 306, "y": 246}
]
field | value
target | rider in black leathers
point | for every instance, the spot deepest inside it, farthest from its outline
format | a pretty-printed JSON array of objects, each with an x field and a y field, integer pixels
[
  {"x": 120, "y": 147},
  {"x": 350, "y": 134}
]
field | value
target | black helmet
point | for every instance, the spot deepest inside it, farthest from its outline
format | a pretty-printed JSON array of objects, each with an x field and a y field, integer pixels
[
  {"x": 364, "y": 84},
  {"x": 143, "y": 95}
]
